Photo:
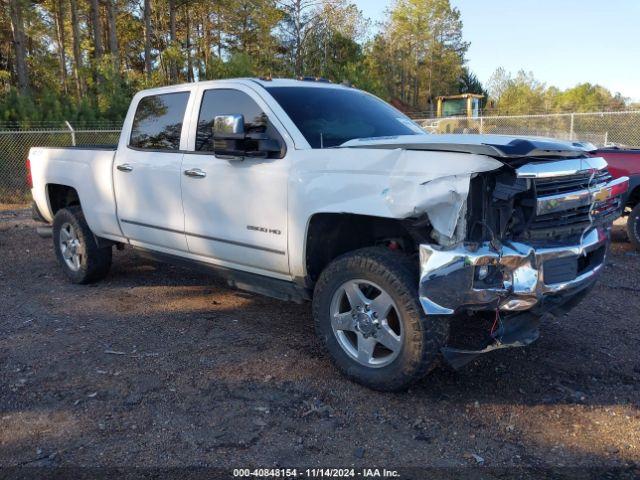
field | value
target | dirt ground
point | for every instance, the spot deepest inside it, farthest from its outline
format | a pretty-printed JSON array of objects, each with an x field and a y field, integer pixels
[{"x": 158, "y": 366}]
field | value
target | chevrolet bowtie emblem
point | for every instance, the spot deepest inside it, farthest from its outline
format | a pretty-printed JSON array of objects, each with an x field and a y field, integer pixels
[{"x": 602, "y": 194}]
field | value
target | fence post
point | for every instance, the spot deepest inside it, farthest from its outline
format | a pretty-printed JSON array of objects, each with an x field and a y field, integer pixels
[
  {"x": 73, "y": 133},
  {"x": 571, "y": 129},
  {"x": 481, "y": 124}
]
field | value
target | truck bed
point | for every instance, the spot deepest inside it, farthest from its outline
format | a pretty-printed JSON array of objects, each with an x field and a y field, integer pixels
[
  {"x": 108, "y": 147},
  {"x": 89, "y": 170}
]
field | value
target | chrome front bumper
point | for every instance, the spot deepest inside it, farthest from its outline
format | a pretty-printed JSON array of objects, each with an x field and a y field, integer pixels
[{"x": 510, "y": 278}]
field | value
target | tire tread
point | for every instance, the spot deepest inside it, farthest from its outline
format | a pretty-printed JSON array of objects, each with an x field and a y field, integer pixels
[
  {"x": 97, "y": 260},
  {"x": 400, "y": 272}
]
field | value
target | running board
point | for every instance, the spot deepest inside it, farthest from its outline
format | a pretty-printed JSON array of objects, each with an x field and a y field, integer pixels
[{"x": 250, "y": 282}]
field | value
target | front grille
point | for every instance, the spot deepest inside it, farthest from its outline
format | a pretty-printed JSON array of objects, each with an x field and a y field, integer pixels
[
  {"x": 576, "y": 216},
  {"x": 574, "y": 221},
  {"x": 570, "y": 183}
]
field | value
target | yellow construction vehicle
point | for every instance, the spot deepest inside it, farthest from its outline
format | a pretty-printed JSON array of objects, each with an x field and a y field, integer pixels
[
  {"x": 462, "y": 105},
  {"x": 459, "y": 114}
]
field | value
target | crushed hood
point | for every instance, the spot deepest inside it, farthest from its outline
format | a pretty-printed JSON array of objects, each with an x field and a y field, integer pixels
[{"x": 498, "y": 146}]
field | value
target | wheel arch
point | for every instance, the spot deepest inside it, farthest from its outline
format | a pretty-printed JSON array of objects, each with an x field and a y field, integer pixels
[
  {"x": 330, "y": 235},
  {"x": 60, "y": 196}
]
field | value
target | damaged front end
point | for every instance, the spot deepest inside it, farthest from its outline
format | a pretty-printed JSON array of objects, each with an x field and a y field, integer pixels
[{"x": 529, "y": 240}]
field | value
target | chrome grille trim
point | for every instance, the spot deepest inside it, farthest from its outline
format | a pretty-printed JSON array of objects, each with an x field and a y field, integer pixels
[
  {"x": 566, "y": 203},
  {"x": 572, "y": 183},
  {"x": 562, "y": 168}
]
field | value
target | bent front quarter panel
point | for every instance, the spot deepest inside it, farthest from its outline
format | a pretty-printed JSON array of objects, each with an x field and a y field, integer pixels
[
  {"x": 89, "y": 172},
  {"x": 384, "y": 183}
]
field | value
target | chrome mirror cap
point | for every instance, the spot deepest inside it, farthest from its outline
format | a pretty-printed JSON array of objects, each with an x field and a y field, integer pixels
[{"x": 228, "y": 125}]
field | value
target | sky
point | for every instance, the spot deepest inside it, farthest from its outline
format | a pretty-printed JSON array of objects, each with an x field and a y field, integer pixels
[{"x": 563, "y": 42}]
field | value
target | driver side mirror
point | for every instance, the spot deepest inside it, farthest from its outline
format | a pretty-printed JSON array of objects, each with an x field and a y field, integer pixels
[
  {"x": 231, "y": 141},
  {"x": 228, "y": 126}
]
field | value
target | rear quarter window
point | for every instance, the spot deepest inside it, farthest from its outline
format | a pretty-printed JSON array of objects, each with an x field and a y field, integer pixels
[{"x": 157, "y": 124}]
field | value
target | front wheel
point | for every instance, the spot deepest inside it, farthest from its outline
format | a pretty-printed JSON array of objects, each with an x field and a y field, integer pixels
[
  {"x": 633, "y": 226},
  {"x": 368, "y": 315},
  {"x": 82, "y": 260}
]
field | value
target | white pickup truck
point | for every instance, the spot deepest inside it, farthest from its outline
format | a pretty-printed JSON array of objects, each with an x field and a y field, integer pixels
[{"x": 412, "y": 246}]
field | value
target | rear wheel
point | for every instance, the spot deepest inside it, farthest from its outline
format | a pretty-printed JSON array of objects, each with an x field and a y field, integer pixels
[
  {"x": 77, "y": 250},
  {"x": 633, "y": 226},
  {"x": 367, "y": 312}
]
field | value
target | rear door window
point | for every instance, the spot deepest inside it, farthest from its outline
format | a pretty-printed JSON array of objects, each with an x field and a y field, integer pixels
[{"x": 157, "y": 124}]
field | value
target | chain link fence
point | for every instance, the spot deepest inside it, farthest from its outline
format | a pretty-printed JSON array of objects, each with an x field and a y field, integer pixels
[
  {"x": 601, "y": 129},
  {"x": 15, "y": 145}
]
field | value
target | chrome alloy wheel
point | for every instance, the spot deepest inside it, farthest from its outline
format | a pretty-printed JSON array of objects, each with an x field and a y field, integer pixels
[
  {"x": 70, "y": 246},
  {"x": 366, "y": 323}
]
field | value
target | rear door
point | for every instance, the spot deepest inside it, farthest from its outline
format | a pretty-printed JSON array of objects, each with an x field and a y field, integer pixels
[
  {"x": 147, "y": 172},
  {"x": 236, "y": 210}
]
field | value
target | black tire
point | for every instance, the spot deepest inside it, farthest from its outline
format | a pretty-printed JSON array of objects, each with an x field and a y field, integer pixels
[
  {"x": 423, "y": 335},
  {"x": 94, "y": 261},
  {"x": 633, "y": 226}
]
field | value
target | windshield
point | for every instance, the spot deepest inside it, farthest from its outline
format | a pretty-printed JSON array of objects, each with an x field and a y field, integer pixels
[{"x": 328, "y": 117}]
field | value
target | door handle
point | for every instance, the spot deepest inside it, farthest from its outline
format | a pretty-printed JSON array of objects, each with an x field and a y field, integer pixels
[
  {"x": 195, "y": 172},
  {"x": 125, "y": 167}
]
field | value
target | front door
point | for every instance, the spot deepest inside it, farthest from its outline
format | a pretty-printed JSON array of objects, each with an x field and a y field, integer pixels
[
  {"x": 235, "y": 210},
  {"x": 147, "y": 173}
]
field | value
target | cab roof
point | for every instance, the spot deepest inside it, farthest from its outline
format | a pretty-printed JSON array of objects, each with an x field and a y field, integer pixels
[
  {"x": 290, "y": 82},
  {"x": 263, "y": 82}
]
